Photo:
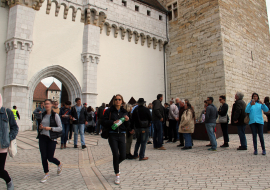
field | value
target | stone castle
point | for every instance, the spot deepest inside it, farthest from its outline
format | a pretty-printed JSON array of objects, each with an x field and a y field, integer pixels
[{"x": 98, "y": 48}]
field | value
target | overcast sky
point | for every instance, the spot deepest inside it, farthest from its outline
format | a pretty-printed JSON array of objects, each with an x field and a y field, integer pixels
[{"x": 48, "y": 81}]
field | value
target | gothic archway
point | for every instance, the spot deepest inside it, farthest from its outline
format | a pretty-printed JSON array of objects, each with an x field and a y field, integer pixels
[{"x": 68, "y": 80}]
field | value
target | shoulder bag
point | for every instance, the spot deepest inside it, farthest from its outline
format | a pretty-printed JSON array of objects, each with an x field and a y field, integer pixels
[
  {"x": 12, "y": 149},
  {"x": 246, "y": 120},
  {"x": 143, "y": 124},
  {"x": 105, "y": 130}
]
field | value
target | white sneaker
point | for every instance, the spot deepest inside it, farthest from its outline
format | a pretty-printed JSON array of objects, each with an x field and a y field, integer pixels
[
  {"x": 59, "y": 170},
  {"x": 117, "y": 180},
  {"x": 46, "y": 177}
]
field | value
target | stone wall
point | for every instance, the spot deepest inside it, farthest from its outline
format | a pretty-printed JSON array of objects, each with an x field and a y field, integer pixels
[
  {"x": 195, "y": 67},
  {"x": 245, "y": 37}
]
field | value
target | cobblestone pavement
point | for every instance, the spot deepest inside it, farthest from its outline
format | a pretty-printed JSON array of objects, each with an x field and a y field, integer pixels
[{"x": 170, "y": 169}]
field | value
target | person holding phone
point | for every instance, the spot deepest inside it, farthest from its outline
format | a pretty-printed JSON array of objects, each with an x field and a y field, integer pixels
[
  {"x": 117, "y": 137},
  {"x": 256, "y": 122}
]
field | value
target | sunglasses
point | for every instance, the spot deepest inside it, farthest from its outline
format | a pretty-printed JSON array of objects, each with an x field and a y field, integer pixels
[{"x": 117, "y": 99}]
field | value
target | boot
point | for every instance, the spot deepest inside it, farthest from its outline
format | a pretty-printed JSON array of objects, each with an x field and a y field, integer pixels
[
  {"x": 225, "y": 145},
  {"x": 65, "y": 146},
  {"x": 62, "y": 146}
]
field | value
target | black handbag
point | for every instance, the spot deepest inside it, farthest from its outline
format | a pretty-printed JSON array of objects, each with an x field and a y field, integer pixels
[
  {"x": 143, "y": 124},
  {"x": 105, "y": 130}
]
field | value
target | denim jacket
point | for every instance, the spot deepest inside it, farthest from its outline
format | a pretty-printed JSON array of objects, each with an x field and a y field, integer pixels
[{"x": 8, "y": 127}]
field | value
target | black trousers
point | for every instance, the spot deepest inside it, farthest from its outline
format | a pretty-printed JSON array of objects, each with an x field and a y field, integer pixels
[
  {"x": 117, "y": 143},
  {"x": 98, "y": 127},
  {"x": 172, "y": 130},
  {"x": 224, "y": 127},
  {"x": 181, "y": 138},
  {"x": 47, "y": 149},
  {"x": 3, "y": 173},
  {"x": 165, "y": 131},
  {"x": 70, "y": 131}
]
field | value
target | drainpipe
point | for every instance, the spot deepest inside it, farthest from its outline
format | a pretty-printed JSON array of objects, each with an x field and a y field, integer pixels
[{"x": 164, "y": 57}]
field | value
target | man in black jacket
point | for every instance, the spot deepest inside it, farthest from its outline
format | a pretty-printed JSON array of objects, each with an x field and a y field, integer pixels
[
  {"x": 100, "y": 117},
  {"x": 158, "y": 118},
  {"x": 238, "y": 117},
  {"x": 166, "y": 118},
  {"x": 79, "y": 117},
  {"x": 142, "y": 118}
]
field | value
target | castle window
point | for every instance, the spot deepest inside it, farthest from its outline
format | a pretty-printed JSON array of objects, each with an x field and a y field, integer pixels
[
  {"x": 124, "y": 3},
  {"x": 148, "y": 13},
  {"x": 175, "y": 5},
  {"x": 160, "y": 17},
  {"x": 170, "y": 12},
  {"x": 136, "y": 8},
  {"x": 175, "y": 10},
  {"x": 169, "y": 8}
]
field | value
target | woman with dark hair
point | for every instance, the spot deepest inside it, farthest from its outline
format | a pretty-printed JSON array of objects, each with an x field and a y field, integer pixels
[
  {"x": 187, "y": 125},
  {"x": 266, "y": 101},
  {"x": 117, "y": 137},
  {"x": 256, "y": 122},
  {"x": 90, "y": 119},
  {"x": 223, "y": 120},
  {"x": 49, "y": 130}
]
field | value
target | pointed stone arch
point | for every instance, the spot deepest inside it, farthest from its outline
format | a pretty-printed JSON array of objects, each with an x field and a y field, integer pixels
[{"x": 62, "y": 74}]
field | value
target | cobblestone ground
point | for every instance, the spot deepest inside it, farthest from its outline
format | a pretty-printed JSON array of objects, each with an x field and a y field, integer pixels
[{"x": 170, "y": 169}]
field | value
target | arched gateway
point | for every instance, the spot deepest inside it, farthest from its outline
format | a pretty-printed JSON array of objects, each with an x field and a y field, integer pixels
[{"x": 62, "y": 74}]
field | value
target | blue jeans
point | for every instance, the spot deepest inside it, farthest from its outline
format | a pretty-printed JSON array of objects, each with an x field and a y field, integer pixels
[
  {"x": 65, "y": 130},
  {"x": 210, "y": 127},
  {"x": 242, "y": 135},
  {"x": 142, "y": 138},
  {"x": 188, "y": 139},
  {"x": 257, "y": 128},
  {"x": 158, "y": 134},
  {"x": 151, "y": 130},
  {"x": 77, "y": 127}
]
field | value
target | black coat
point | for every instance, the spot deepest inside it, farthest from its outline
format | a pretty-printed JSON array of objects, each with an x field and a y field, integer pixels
[
  {"x": 100, "y": 112},
  {"x": 144, "y": 115},
  {"x": 157, "y": 111},
  {"x": 108, "y": 121},
  {"x": 238, "y": 113},
  {"x": 223, "y": 110},
  {"x": 83, "y": 115}
]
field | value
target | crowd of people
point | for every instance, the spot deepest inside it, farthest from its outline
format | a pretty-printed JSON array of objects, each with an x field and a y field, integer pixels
[{"x": 121, "y": 123}]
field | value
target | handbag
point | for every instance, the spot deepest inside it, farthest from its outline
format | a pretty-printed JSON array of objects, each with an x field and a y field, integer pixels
[
  {"x": 246, "y": 120},
  {"x": 223, "y": 119},
  {"x": 105, "y": 130},
  {"x": 12, "y": 149}
]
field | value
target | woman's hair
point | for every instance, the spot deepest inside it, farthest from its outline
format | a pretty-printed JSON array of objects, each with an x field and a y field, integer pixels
[
  {"x": 128, "y": 107},
  {"x": 48, "y": 100},
  {"x": 89, "y": 109},
  {"x": 223, "y": 97},
  {"x": 266, "y": 99},
  {"x": 116, "y": 96},
  {"x": 205, "y": 101},
  {"x": 190, "y": 107},
  {"x": 68, "y": 103},
  {"x": 255, "y": 94}
]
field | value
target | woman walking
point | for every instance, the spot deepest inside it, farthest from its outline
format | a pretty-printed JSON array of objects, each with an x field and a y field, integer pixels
[
  {"x": 223, "y": 120},
  {"x": 187, "y": 125},
  {"x": 117, "y": 137},
  {"x": 256, "y": 122},
  {"x": 9, "y": 130},
  {"x": 49, "y": 130}
]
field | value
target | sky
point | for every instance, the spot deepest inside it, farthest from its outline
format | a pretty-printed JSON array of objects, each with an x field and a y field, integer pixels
[{"x": 48, "y": 81}]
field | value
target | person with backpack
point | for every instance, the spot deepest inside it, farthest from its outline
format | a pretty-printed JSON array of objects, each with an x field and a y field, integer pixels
[
  {"x": 90, "y": 120},
  {"x": 141, "y": 118},
  {"x": 65, "y": 118},
  {"x": 99, "y": 117},
  {"x": 49, "y": 130},
  {"x": 8, "y": 130},
  {"x": 117, "y": 137}
]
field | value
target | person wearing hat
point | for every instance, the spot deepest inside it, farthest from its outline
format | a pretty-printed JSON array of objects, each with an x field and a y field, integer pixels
[
  {"x": 85, "y": 105},
  {"x": 141, "y": 118}
]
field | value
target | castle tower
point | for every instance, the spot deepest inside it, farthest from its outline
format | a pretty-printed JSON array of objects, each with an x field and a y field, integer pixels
[{"x": 217, "y": 47}]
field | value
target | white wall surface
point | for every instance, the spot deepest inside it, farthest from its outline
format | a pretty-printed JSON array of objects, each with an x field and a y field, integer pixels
[
  {"x": 129, "y": 69},
  {"x": 3, "y": 36},
  {"x": 57, "y": 41}
]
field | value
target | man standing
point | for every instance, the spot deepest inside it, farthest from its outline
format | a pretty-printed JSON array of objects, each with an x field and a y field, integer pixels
[
  {"x": 99, "y": 117},
  {"x": 210, "y": 122},
  {"x": 15, "y": 113},
  {"x": 55, "y": 107},
  {"x": 181, "y": 111},
  {"x": 166, "y": 118},
  {"x": 238, "y": 117},
  {"x": 38, "y": 113},
  {"x": 157, "y": 118},
  {"x": 141, "y": 118},
  {"x": 65, "y": 118},
  {"x": 79, "y": 116},
  {"x": 173, "y": 118}
]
